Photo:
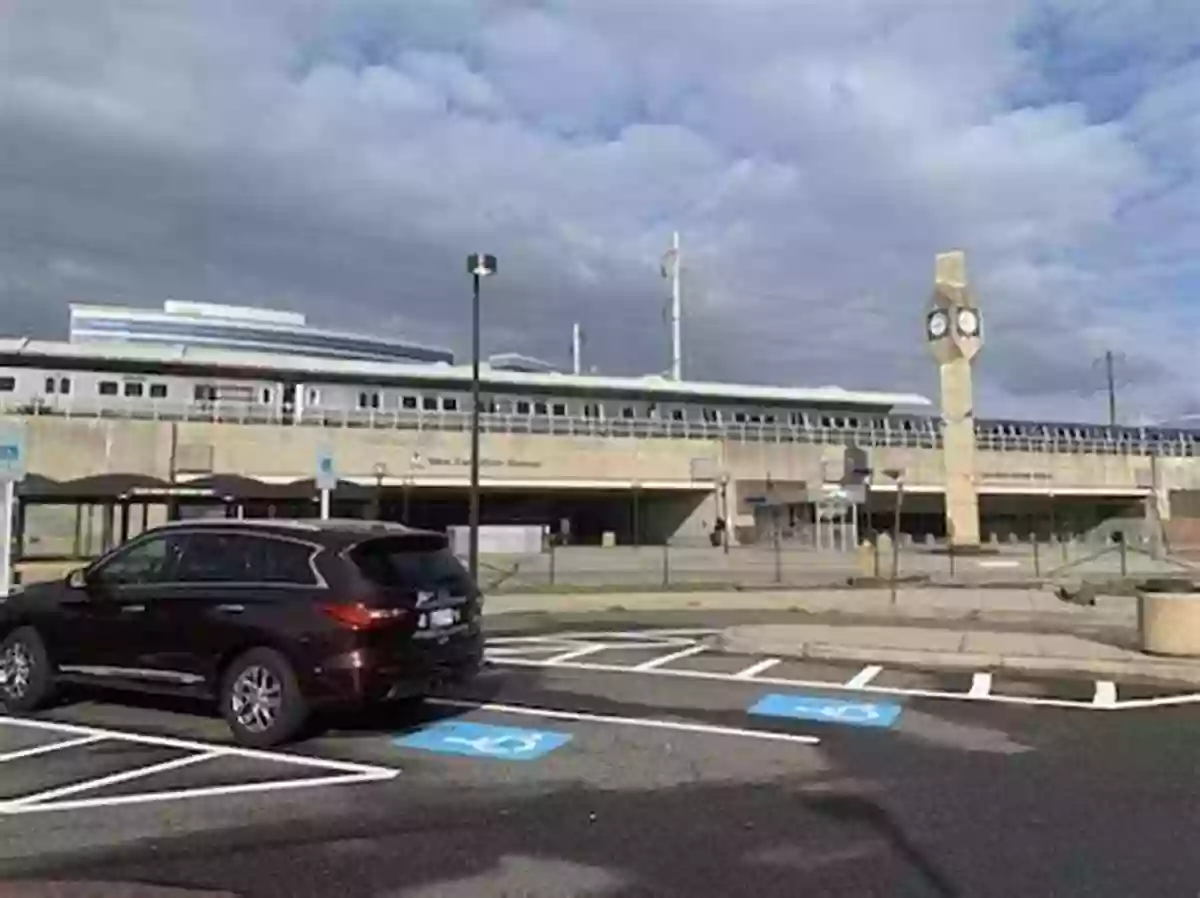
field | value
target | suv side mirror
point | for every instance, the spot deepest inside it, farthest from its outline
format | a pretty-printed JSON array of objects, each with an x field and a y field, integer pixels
[{"x": 77, "y": 579}]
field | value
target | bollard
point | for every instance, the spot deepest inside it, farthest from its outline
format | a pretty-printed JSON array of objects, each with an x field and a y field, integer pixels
[
  {"x": 552, "y": 556},
  {"x": 778, "y": 560},
  {"x": 666, "y": 567},
  {"x": 1037, "y": 564}
]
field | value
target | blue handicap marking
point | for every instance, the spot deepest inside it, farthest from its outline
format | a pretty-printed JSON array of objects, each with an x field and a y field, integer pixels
[
  {"x": 479, "y": 740},
  {"x": 828, "y": 710}
]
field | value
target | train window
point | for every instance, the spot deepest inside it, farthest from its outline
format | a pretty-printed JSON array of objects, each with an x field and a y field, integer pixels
[
  {"x": 677, "y": 414},
  {"x": 628, "y": 412},
  {"x": 709, "y": 415},
  {"x": 539, "y": 408},
  {"x": 409, "y": 402},
  {"x": 64, "y": 386},
  {"x": 739, "y": 417},
  {"x": 134, "y": 389},
  {"x": 200, "y": 392},
  {"x": 158, "y": 391},
  {"x": 7, "y": 384},
  {"x": 362, "y": 400},
  {"x": 522, "y": 407},
  {"x": 266, "y": 395},
  {"x": 559, "y": 409},
  {"x": 429, "y": 403},
  {"x": 768, "y": 419},
  {"x": 50, "y": 385},
  {"x": 449, "y": 404},
  {"x": 107, "y": 388}
]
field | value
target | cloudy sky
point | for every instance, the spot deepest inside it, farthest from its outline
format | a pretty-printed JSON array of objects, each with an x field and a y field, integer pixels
[{"x": 340, "y": 157}]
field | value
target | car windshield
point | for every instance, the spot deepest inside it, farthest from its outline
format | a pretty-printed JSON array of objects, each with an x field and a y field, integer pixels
[{"x": 412, "y": 563}]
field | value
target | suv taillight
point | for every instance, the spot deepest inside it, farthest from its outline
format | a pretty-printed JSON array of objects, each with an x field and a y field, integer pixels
[{"x": 358, "y": 616}]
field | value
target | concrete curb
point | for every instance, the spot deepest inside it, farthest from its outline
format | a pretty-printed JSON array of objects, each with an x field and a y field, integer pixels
[{"x": 1151, "y": 668}]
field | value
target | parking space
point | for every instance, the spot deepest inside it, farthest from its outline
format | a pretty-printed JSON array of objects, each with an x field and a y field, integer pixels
[
  {"x": 585, "y": 746},
  {"x": 48, "y": 765}
]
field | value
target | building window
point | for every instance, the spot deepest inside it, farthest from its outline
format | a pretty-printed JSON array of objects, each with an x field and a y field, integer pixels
[
  {"x": 628, "y": 412},
  {"x": 409, "y": 402},
  {"x": 133, "y": 389},
  {"x": 676, "y": 414},
  {"x": 158, "y": 391},
  {"x": 522, "y": 407},
  {"x": 560, "y": 409},
  {"x": 108, "y": 388},
  {"x": 429, "y": 403},
  {"x": 64, "y": 386},
  {"x": 449, "y": 404},
  {"x": 7, "y": 384},
  {"x": 266, "y": 395},
  {"x": 539, "y": 408},
  {"x": 50, "y": 385}
]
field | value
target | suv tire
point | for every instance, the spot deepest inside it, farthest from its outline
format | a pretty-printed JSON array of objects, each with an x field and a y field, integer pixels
[
  {"x": 28, "y": 672},
  {"x": 261, "y": 699}
]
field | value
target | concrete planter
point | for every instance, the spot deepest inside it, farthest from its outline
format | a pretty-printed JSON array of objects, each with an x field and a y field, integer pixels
[{"x": 1169, "y": 623}]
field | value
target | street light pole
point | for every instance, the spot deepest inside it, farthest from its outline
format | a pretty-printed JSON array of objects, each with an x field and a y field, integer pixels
[{"x": 479, "y": 266}]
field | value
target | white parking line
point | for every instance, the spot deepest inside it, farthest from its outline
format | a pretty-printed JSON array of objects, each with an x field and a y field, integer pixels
[
  {"x": 755, "y": 669},
  {"x": 347, "y": 773},
  {"x": 981, "y": 685},
  {"x": 576, "y": 653},
  {"x": 649, "y": 723},
  {"x": 1106, "y": 694},
  {"x": 49, "y": 747},
  {"x": 864, "y": 676},
  {"x": 812, "y": 684},
  {"x": 111, "y": 780},
  {"x": 655, "y": 663}
]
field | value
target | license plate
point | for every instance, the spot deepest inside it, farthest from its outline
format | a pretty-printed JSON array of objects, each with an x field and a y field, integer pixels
[{"x": 443, "y": 617}]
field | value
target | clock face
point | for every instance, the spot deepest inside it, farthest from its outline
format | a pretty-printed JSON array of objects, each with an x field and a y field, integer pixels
[
  {"x": 938, "y": 324},
  {"x": 968, "y": 322}
]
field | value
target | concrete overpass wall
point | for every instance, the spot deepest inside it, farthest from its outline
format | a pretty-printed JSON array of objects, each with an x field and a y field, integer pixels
[{"x": 68, "y": 449}]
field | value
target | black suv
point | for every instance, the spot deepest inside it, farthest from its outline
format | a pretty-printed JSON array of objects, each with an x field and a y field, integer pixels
[{"x": 273, "y": 618}]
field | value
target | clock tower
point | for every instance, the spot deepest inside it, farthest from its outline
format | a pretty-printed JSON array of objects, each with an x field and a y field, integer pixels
[{"x": 954, "y": 331}]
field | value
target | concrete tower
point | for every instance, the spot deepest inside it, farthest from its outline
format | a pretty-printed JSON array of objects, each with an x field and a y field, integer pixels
[{"x": 954, "y": 329}]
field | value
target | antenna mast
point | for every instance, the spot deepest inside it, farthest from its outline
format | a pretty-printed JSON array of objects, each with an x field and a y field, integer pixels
[{"x": 672, "y": 268}]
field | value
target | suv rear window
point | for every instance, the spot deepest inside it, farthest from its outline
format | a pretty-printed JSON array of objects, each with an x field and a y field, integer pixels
[{"x": 412, "y": 563}]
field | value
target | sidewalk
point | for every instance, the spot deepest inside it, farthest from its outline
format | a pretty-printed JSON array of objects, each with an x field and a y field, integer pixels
[
  {"x": 1034, "y": 608},
  {"x": 958, "y": 649},
  {"x": 1031, "y": 631}
]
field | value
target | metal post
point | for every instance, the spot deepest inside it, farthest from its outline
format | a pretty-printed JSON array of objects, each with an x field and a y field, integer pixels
[
  {"x": 1112, "y": 388},
  {"x": 666, "y": 567},
  {"x": 473, "y": 513},
  {"x": 1037, "y": 561},
  {"x": 896, "y": 536},
  {"x": 325, "y": 505},
  {"x": 6, "y": 524}
]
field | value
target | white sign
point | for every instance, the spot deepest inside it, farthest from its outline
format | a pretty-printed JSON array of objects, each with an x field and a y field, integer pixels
[
  {"x": 12, "y": 451},
  {"x": 326, "y": 478}
]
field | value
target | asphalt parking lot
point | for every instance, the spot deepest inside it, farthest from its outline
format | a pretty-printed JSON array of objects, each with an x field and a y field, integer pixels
[{"x": 623, "y": 763}]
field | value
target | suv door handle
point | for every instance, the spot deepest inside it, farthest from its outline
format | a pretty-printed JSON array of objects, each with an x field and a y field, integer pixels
[
  {"x": 231, "y": 609},
  {"x": 132, "y": 609}
]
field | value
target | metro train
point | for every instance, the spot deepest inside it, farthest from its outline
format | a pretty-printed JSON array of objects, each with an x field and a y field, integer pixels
[{"x": 44, "y": 377}]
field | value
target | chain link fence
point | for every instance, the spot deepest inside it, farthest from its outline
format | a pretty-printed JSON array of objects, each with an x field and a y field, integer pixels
[{"x": 1016, "y": 562}]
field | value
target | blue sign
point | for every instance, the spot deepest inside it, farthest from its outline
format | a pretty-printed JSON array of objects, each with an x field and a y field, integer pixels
[
  {"x": 479, "y": 740},
  {"x": 12, "y": 451},
  {"x": 828, "y": 710},
  {"x": 326, "y": 472}
]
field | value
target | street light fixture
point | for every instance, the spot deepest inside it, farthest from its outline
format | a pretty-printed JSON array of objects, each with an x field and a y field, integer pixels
[{"x": 479, "y": 266}]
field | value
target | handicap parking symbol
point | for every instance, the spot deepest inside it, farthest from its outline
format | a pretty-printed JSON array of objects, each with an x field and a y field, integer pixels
[
  {"x": 478, "y": 740},
  {"x": 827, "y": 710}
]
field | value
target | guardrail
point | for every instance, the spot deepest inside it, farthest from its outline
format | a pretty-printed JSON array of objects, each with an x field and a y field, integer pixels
[
  {"x": 1027, "y": 562},
  {"x": 240, "y": 413}
]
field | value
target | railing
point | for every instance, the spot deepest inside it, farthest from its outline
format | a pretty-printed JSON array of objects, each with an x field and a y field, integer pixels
[{"x": 1186, "y": 445}]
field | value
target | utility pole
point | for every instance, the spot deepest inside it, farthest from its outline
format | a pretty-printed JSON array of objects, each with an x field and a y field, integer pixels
[{"x": 671, "y": 268}]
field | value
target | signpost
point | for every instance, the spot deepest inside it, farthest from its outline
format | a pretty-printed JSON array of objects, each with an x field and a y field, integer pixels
[
  {"x": 12, "y": 472},
  {"x": 326, "y": 478}
]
